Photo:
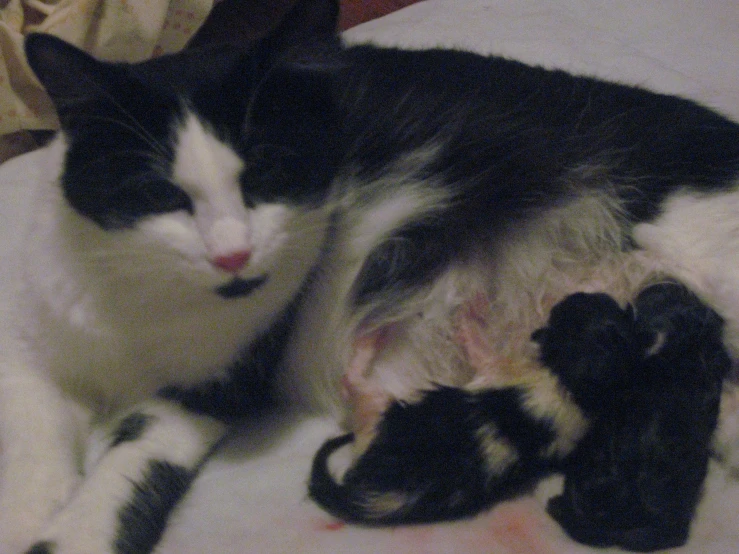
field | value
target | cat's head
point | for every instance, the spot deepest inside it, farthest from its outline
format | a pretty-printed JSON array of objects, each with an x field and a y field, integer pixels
[{"x": 215, "y": 159}]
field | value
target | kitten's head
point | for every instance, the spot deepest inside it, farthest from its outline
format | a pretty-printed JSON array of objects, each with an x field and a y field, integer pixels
[
  {"x": 589, "y": 343},
  {"x": 215, "y": 161}
]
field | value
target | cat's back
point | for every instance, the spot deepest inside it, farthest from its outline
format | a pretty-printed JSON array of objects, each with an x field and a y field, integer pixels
[{"x": 518, "y": 138}]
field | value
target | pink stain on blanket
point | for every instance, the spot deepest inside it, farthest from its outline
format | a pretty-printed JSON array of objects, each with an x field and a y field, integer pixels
[
  {"x": 516, "y": 527},
  {"x": 523, "y": 527},
  {"x": 333, "y": 525},
  {"x": 322, "y": 524},
  {"x": 520, "y": 526}
]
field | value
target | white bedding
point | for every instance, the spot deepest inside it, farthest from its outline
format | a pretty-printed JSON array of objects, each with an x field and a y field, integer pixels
[{"x": 250, "y": 498}]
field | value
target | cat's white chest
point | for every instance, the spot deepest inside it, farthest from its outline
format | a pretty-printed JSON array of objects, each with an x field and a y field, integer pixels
[{"x": 119, "y": 348}]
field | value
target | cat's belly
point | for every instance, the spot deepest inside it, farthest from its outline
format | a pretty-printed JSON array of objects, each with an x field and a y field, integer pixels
[
  {"x": 576, "y": 248},
  {"x": 512, "y": 284}
]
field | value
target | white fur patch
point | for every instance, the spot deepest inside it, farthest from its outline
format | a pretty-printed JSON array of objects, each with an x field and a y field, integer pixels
[
  {"x": 546, "y": 400},
  {"x": 498, "y": 454},
  {"x": 696, "y": 239},
  {"x": 325, "y": 331},
  {"x": 208, "y": 171}
]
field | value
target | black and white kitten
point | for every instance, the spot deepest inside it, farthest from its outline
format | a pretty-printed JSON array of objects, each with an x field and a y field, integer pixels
[{"x": 176, "y": 218}]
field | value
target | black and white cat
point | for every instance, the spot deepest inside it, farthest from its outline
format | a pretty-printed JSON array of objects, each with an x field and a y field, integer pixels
[
  {"x": 168, "y": 242},
  {"x": 202, "y": 194}
]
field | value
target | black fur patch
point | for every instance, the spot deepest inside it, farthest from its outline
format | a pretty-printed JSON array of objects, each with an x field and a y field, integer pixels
[
  {"x": 45, "y": 547},
  {"x": 240, "y": 287},
  {"x": 249, "y": 389},
  {"x": 143, "y": 519},
  {"x": 130, "y": 428},
  {"x": 504, "y": 160}
]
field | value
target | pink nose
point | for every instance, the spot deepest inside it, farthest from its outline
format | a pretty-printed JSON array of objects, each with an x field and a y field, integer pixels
[{"x": 233, "y": 262}]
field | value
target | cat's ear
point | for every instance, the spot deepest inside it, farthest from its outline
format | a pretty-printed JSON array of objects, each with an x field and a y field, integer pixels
[
  {"x": 308, "y": 22},
  {"x": 70, "y": 76}
]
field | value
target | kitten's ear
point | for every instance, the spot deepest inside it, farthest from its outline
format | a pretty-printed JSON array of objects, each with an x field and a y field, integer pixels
[{"x": 70, "y": 76}]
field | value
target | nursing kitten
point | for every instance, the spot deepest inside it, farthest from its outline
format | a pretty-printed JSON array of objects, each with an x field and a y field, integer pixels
[
  {"x": 174, "y": 221},
  {"x": 635, "y": 479}
]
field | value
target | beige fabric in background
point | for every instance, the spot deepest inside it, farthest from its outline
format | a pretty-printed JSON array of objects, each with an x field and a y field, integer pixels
[{"x": 119, "y": 30}]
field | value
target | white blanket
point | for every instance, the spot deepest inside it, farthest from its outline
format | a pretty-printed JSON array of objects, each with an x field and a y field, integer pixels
[{"x": 250, "y": 498}]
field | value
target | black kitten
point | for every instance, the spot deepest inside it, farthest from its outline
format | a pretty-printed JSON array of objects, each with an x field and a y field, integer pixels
[{"x": 636, "y": 477}]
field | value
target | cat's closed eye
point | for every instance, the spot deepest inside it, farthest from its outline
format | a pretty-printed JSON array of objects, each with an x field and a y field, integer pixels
[{"x": 150, "y": 196}]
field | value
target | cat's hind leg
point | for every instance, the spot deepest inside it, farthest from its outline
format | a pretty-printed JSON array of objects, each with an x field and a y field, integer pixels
[{"x": 122, "y": 507}]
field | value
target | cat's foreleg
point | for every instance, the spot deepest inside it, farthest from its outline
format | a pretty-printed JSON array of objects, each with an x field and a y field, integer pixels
[
  {"x": 41, "y": 435},
  {"x": 122, "y": 506}
]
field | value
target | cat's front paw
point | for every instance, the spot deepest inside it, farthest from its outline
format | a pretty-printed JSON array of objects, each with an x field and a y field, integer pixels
[
  {"x": 79, "y": 546},
  {"x": 43, "y": 547},
  {"x": 77, "y": 533},
  {"x": 25, "y": 510}
]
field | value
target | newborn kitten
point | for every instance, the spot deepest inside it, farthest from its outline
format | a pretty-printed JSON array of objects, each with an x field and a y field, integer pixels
[{"x": 635, "y": 479}]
